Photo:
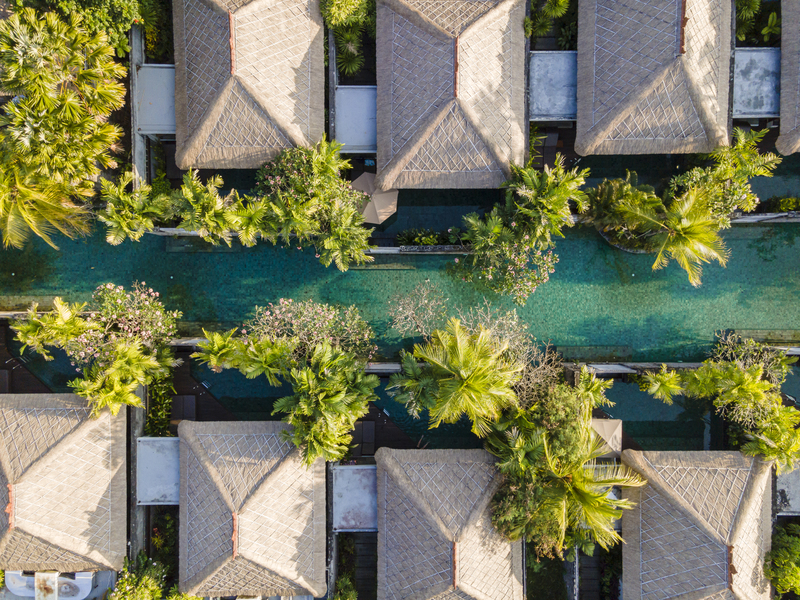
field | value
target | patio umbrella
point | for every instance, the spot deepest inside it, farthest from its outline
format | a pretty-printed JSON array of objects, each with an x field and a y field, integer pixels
[
  {"x": 381, "y": 205},
  {"x": 611, "y": 432}
]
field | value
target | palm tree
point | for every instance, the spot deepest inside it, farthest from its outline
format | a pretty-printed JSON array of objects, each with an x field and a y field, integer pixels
[
  {"x": 685, "y": 232},
  {"x": 327, "y": 162},
  {"x": 265, "y": 357},
  {"x": 473, "y": 375},
  {"x": 129, "y": 215},
  {"x": 330, "y": 394},
  {"x": 30, "y": 204},
  {"x": 663, "y": 384},
  {"x": 343, "y": 239},
  {"x": 218, "y": 351},
  {"x": 203, "y": 210},
  {"x": 777, "y": 439},
  {"x": 54, "y": 328},
  {"x": 251, "y": 220},
  {"x": 543, "y": 198}
]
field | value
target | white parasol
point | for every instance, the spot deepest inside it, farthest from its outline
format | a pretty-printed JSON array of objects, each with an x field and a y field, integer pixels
[{"x": 382, "y": 205}]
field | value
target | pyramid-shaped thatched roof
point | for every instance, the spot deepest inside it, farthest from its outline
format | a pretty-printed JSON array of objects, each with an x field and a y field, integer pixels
[
  {"x": 451, "y": 92},
  {"x": 252, "y": 514},
  {"x": 435, "y": 536},
  {"x": 249, "y": 80},
  {"x": 789, "y": 139},
  {"x": 650, "y": 81},
  {"x": 63, "y": 485},
  {"x": 700, "y": 528}
]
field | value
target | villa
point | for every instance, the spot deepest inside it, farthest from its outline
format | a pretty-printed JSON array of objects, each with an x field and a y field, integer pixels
[
  {"x": 252, "y": 516},
  {"x": 789, "y": 140}
]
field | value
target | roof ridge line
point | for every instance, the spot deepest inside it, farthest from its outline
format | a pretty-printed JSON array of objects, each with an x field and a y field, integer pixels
[
  {"x": 290, "y": 137},
  {"x": 759, "y": 470},
  {"x": 392, "y": 170},
  {"x": 639, "y": 463},
  {"x": 191, "y": 439},
  {"x": 713, "y": 133},
  {"x": 392, "y": 466},
  {"x": 278, "y": 467},
  {"x": 597, "y": 133},
  {"x": 504, "y": 4},
  {"x": 485, "y": 136},
  {"x": 192, "y": 148}
]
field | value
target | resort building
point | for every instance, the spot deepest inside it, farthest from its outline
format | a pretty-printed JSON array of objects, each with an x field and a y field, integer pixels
[
  {"x": 699, "y": 529},
  {"x": 451, "y": 93},
  {"x": 653, "y": 76},
  {"x": 252, "y": 515},
  {"x": 249, "y": 80},
  {"x": 789, "y": 139},
  {"x": 63, "y": 485},
  {"x": 435, "y": 536}
]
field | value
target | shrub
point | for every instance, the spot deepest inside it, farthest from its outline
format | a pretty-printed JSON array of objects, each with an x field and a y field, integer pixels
[
  {"x": 141, "y": 580},
  {"x": 160, "y": 394},
  {"x": 782, "y": 562}
]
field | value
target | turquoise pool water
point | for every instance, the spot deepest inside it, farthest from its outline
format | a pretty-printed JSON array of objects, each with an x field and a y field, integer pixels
[
  {"x": 598, "y": 297},
  {"x": 599, "y": 302}
]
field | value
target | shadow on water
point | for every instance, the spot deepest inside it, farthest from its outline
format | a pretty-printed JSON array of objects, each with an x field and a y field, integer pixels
[
  {"x": 22, "y": 269},
  {"x": 772, "y": 239}
]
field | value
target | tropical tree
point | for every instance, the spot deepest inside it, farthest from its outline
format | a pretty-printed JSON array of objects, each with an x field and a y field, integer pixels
[
  {"x": 330, "y": 395},
  {"x": 202, "y": 209},
  {"x": 218, "y": 351},
  {"x": 684, "y": 232},
  {"x": 725, "y": 185},
  {"x": 512, "y": 245},
  {"x": 54, "y": 137},
  {"x": 130, "y": 214},
  {"x": 563, "y": 501},
  {"x": 119, "y": 342},
  {"x": 782, "y": 562},
  {"x": 472, "y": 375}
]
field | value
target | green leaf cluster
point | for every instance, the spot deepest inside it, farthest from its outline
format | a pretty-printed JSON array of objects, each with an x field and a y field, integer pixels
[
  {"x": 301, "y": 201},
  {"x": 742, "y": 380},
  {"x": 55, "y": 137},
  {"x": 512, "y": 245},
  {"x": 782, "y": 562}
]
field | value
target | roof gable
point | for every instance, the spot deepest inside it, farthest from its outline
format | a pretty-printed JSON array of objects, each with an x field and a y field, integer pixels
[
  {"x": 249, "y": 80},
  {"x": 700, "y": 526},
  {"x": 645, "y": 87},
  {"x": 789, "y": 139},
  {"x": 252, "y": 514},
  {"x": 435, "y": 538},
  {"x": 64, "y": 484},
  {"x": 453, "y": 69}
]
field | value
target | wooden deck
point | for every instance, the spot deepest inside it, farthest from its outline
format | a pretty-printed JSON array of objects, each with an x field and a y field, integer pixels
[
  {"x": 366, "y": 564},
  {"x": 386, "y": 434},
  {"x": 20, "y": 379}
]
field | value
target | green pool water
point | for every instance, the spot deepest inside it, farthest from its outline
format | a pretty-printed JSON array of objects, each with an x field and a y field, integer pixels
[{"x": 599, "y": 302}]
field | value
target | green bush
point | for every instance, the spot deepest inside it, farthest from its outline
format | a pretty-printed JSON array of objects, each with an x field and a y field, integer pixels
[
  {"x": 544, "y": 577},
  {"x": 141, "y": 580},
  {"x": 429, "y": 237},
  {"x": 114, "y": 17},
  {"x": 158, "y": 415},
  {"x": 782, "y": 562},
  {"x": 2, "y": 579}
]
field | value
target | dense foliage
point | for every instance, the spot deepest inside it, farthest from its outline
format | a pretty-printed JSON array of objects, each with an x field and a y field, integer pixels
[
  {"x": 321, "y": 351},
  {"x": 54, "y": 138},
  {"x": 145, "y": 579},
  {"x": 742, "y": 379},
  {"x": 684, "y": 226},
  {"x": 301, "y": 201},
  {"x": 512, "y": 245},
  {"x": 349, "y": 20},
  {"x": 120, "y": 343},
  {"x": 782, "y": 562},
  {"x": 486, "y": 366}
]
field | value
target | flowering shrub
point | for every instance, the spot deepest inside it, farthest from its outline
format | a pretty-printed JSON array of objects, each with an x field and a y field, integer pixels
[
  {"x": 120, "y": 316},
  {"x": 120, "y": 344},
  {"x": 310, "y": 323},
  {"x": 288, "y": 175}
]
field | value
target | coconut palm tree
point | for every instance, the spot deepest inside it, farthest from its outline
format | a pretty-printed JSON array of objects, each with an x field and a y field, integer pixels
[
  {"x": 330, "y": 395},
  {"x": 473, "y": 376},
  {"x": 685, "y": 232},
  {"x": 663, "y": 384}
]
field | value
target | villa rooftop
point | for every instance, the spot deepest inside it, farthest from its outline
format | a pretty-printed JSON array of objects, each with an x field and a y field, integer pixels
[
  {"x": 789, "y": 140},
  {"x": 699, "y": 529},
  {"x": 63, "y": 485},
  {"x": 252, "y": 515},
  {"x": 650, "y": 81},
  {"x": 249, "y": 80},
  {"x": 451, "y": 92},
  {"x": 435, "y": 536}
]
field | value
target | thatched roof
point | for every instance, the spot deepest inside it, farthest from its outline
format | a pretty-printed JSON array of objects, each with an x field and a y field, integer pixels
[
  {"x": 451, "y": 92},
  {"x": 637, "y": 92},
  {"x": 252, "y": 516},
  {"x": 789, "y": 139},
  {"x": 435, "y": 536},
  {"x": 249, "y": 80},
  {"x": 63, "y": 485},
  {"x": 700, "y": 527}
]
